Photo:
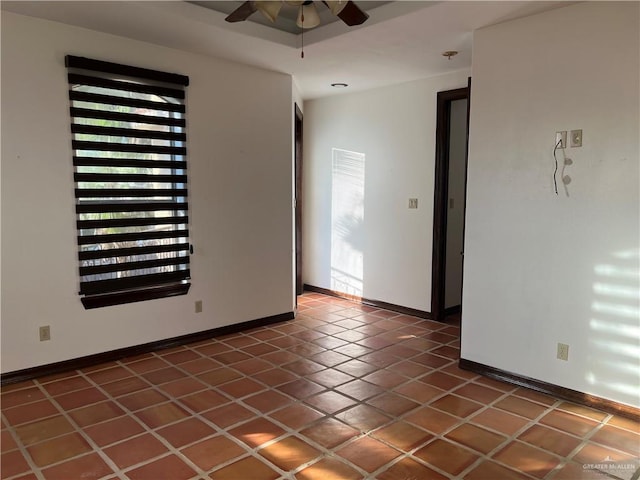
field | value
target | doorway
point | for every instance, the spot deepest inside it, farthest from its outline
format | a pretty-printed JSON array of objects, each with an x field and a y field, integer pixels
[
  {"x": 298, "y": 196},
  {"x": 449, "y": 201}
]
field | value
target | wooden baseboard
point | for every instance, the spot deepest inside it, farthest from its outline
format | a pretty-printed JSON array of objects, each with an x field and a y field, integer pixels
[
  {"x": 90, "y": 360},
  {"x": 574, "y": 396},
  {"x": 373, "y": 303}
]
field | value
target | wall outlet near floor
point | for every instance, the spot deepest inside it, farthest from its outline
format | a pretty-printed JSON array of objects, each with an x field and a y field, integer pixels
[
  {"x": 45, "y": 333},
  {"x": 198, "y": 306},
  {"x": 563, "y": 351},
  {"x": 561, "y": 139}
]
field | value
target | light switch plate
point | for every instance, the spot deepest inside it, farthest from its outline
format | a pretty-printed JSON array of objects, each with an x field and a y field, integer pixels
[{"x": 576, "y": 138}]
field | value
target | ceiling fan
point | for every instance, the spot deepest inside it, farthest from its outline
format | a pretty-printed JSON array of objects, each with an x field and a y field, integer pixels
[{"x": 308, "y": 17}]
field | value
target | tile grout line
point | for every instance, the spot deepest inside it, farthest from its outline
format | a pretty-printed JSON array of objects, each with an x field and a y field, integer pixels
[
  {"x": 333, "y": 415},
  {"x": 442, "y": 436},
  {"x": 513, "y": 438},
  {"x": 147, "y": 429},
  {"x": 364, "y": 401},
  {"x": 249, "y": 451},
  {"x": 219, "y": 431},
  {"x": 77, "y": 429},
  {"x": 583, "y": 442},
  {"x": 302, "y": 340},
  {"x": 586, "y": 439},
  {"x": 23, "y": 450}
]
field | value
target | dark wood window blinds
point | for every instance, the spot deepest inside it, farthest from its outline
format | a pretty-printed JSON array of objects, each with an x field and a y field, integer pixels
[{"x": 130, "y": 170}]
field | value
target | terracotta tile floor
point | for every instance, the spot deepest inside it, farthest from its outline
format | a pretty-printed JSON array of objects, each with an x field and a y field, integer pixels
[{"x": 344, "y": 391}]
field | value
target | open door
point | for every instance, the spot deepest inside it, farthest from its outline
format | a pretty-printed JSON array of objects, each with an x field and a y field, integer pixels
[
  {"x": 449, "y": 201},
  {"x": 298, "y": 197}
]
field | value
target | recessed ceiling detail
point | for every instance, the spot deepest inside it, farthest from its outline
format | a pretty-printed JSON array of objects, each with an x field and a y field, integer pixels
[{"x": 401, "y": 41}]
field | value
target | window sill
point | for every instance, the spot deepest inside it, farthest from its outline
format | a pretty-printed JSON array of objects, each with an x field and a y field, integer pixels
[{"x": 131, "y": 296}]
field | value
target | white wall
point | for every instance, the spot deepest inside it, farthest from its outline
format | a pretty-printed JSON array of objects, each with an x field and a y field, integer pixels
[
  {"x": 540, "y": 268},
  {"x": 240, "y": 167},
  {"x": 395, "y": 128}
]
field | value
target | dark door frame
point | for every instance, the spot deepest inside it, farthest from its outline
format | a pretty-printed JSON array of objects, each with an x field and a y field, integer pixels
[
  {"x": 441, "y": 192},
  {"x": 298, "y": 196}
]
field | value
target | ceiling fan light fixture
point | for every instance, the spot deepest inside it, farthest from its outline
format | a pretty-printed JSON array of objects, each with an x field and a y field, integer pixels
[
  {"x": 269, "y": 8},
  {"x": 336, "y": 6},
  {"x": 308, "y": 16}
]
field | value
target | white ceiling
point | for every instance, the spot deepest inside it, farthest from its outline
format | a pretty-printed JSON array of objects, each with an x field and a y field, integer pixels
[{"x": 401, "y": 41}]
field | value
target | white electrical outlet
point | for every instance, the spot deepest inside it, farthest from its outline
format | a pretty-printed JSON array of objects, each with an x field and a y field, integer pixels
[
  {"x": 198, "y": 306},
  {"x": 561, "y": 139},
  {"x": 563, "y": 351},
  {"x": 413, "y": 203},
  {"x": 45, "y": 333}
]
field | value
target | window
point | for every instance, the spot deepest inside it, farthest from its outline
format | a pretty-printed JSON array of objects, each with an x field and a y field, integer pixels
[{"x": 130, "y": 172}]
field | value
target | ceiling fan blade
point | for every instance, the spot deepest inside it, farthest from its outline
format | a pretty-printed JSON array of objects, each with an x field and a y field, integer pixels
[
  {"x": 269, "y": 8},
  {"x": 351, "y": 14},
  {"x": 243, "y": 12}
]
